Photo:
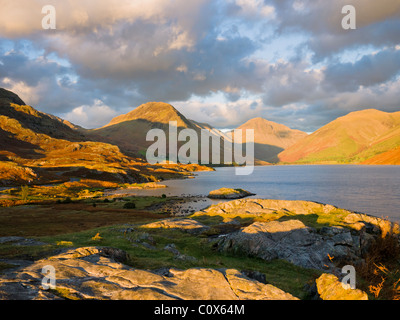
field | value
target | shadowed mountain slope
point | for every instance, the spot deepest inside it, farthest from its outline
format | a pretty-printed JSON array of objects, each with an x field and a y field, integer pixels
[
  {"x": 39, "y": 148},
  {"x": 270, "y": 138}
]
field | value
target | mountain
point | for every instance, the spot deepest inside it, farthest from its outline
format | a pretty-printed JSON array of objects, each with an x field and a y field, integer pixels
[
  {"x": 270, "y": 138},
  {"x": 129, "y": 131},
  {"x": 39, "y": 148},
  {"x": 155, "y": 112},
  {"x": 368, "y": 137}
]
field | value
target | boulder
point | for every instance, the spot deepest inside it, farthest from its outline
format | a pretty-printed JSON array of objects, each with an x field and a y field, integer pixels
[
  {"x": 87, "y": 273},
  {"x": 330, "y": 288},
  {"x": 187, "y": 225},
  {"x": 229, "y": 193},
  {"x": 263, "y": 206},
  {"x": 293, "y": 241}
]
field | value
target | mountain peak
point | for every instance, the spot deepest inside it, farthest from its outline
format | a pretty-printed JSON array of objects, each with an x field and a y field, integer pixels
[
  {"x": 159, "y": 112},
  {"x": 7, "y": 97},
  {"x": 270, "y": 137}
]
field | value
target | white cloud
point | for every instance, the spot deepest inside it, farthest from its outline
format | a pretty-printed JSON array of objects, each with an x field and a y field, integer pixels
[
  {"x": 93, "y": 116},
  {"x": 27, "y": 93},
  {"x": 255, "y": 8},
  {"x": 218, "y": 112},
  {"x": 255, "y": 54}
]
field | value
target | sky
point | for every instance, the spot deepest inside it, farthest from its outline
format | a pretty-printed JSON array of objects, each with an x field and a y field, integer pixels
[{"x": 222, "y": 62}]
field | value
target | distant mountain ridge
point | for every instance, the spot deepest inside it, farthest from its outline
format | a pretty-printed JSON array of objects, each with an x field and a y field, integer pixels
[
  {"x": 42, "y": 148},
  {"x": 270, "y": 138},
  {"x": 129, "y": 131},
  {"x": 39, "y": 148},
  {"x": 368, "y": 137}
]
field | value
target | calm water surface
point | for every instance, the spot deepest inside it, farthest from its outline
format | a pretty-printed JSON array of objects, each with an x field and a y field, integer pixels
[{"x": 370, "y": 189}]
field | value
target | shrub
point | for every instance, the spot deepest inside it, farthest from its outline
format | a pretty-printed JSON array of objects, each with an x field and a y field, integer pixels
[
  {"x": 97, "y": 237},
  {"x": 24, "y": 192},
  {"x": 67, "y": 200},
  {"x": 163, "y": 196},
  {"x": 380, "y": 269},
  {"x": 130, "y": 205}
]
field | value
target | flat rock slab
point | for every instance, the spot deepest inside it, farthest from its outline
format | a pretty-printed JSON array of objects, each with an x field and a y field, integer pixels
[
  {"x": 187, "y": 225},
  {"x": 20, "y": 241},
  {"x": 263, "y": 206},
  {"x": 229, "y": 193},
  {"x": 87, "y": 273}
]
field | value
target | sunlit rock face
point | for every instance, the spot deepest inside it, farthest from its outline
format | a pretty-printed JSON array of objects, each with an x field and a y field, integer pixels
[{"x": 95, "y": 273}]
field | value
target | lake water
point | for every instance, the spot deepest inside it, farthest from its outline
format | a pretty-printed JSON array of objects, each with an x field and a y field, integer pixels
[{"x": 374, "y": 190}]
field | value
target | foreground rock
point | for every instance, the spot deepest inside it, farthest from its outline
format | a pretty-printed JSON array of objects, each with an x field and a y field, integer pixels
[
  {"x": 228, "y": 193},
  {"x": 267, "y": 206},
  {"x": 330, "y": 288},
  {"x": 187, "y": 225},
  {"x": 94, "y": 273},
  {"x": 290, "y": 239}
]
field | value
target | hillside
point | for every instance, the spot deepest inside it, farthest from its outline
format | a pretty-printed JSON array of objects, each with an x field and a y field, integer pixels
[
  {"x": 129, "y": 131},
  {"x": 39, "y": 148},
  {"x": 368, "y": 136},
  {"x": 270, "y": 138}
]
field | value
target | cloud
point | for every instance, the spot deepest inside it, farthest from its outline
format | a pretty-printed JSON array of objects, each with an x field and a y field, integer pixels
[
  {"x": 377, "y": 24},
  {"x": 368, "y": 71},
  {"x": 251, "y": 9},
  {"x": 91, "y": 116},
  {"x": 220, "y": 113},
  {"x": 25, "y": 92},
  {"x": 218, "y": 61}
]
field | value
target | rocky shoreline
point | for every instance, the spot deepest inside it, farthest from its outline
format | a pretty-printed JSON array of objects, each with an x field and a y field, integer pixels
[{"x": 306, "y": 234}]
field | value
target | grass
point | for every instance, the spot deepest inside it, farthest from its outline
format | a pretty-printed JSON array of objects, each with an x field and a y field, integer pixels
[
  {"x": 9, "y": 251},
  {"x": 5, "y": 266},
  {"x": 314, "y": 220},
  {"x": 79, "y": 224},
  {"x": 141, "y": 203},
  {"x": 280, "y": 273},
  {"x": 63, "y": 218}
]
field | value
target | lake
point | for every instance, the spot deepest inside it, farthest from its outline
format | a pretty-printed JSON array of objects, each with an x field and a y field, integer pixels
[{"x": 369, "y": 189}]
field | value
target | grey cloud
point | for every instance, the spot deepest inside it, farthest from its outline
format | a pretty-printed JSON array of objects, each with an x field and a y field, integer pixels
[
  {"x": 290, "y": 82},
  {"x": 17, "y": 66},
  {"x": 378, "y": 23},
  {"x": 124, "y": 55},
  {"x": 368, "y": 71}
]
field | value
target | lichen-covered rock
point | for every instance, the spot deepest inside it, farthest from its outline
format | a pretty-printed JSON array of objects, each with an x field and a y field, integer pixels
[
  {"x": 330, "y": 288},
  {"x": 254, "y": 290},
  {"x": 87, "y": 273},
  {"x": 293, "y": 241},
  {"x": 187, "y": 225},
  {"x": 229, "y": 193},
  {"x": 341, "y": 236},
  {"x": 262, "y": 206}
]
